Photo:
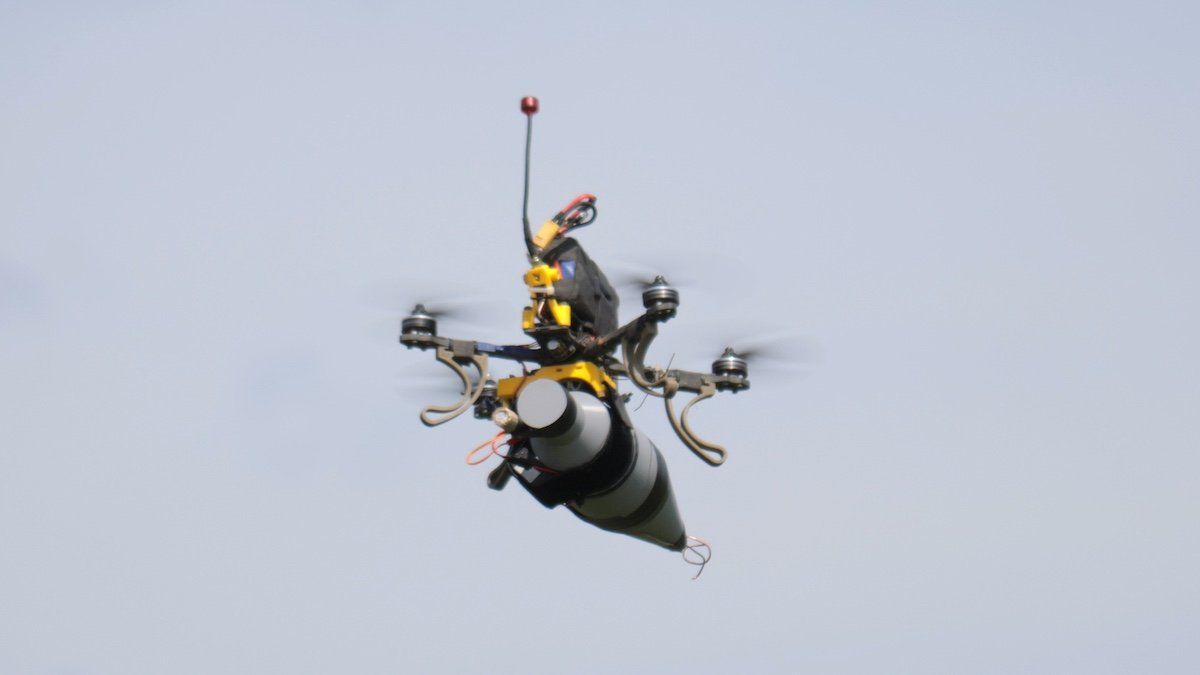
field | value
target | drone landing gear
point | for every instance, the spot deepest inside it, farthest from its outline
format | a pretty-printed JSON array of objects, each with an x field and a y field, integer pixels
[
  {"x": 711, "y": 453},
  {"x": 471, "y": 391},
  {"x": 668, "y": 383}
]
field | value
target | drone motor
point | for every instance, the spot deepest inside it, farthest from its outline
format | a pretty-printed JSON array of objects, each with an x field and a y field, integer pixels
[
  {"x": 419, "y": 322},
  {"x": 730, "y": 364},
  {"x": 660, "y": 299}
]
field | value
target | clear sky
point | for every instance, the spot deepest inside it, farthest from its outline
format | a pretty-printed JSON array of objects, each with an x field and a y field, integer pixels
[{"x": 983, "y": 218}]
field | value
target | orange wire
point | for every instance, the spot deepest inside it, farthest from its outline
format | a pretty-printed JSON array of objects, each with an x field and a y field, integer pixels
[{"x": 490, "y": 444}]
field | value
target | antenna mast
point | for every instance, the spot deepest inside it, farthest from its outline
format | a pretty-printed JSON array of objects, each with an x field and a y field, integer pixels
[{"x": 529, "y": 106}]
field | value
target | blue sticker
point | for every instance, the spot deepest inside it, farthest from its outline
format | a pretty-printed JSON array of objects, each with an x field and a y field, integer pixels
[{"x": 568, "y": 269}]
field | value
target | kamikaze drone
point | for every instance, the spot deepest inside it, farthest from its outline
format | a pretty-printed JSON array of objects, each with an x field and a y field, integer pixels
[{"x": 569, "y": 437}]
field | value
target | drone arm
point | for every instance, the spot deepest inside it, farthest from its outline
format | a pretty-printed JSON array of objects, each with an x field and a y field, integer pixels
[
  {"x": 531, "y": 353},
  {"x": 689, "y": 380},
  {"x": 711, "y": 453},
  {"x": 465, "y": 349},
  {"x": 607, "y": 344}
]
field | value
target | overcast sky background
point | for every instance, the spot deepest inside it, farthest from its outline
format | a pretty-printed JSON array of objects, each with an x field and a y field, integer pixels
[{"x": 983, "y": 218}]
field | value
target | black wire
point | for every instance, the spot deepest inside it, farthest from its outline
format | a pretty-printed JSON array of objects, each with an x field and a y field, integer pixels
[
  {"x": 587, "y": 214},
  {"x": 525, "y": 203}
]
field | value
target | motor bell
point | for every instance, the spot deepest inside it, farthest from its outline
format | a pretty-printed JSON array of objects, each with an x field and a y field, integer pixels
[
  {"x": 730, "y": 364},
  {"x": 419, "y": 322},
  {"x": 660, "y": 299}
]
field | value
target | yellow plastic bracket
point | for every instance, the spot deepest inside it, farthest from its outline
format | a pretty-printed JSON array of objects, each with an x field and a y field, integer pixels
[
  {"x": 561, "y": 312},
  {"x": 541, "y": 276},
  {"x": 540, "y": 280},
  {"x": 583, "y": 371}
]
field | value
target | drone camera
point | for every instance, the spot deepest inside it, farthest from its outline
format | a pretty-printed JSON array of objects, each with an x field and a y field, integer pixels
[{"x": 488, "y": 401}]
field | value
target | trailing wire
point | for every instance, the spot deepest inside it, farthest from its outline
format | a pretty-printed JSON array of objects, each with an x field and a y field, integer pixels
[{"x": 701, "y": 554}]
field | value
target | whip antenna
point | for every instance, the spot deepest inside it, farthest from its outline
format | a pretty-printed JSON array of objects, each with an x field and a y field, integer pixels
[{"x": 529, "y": 106}]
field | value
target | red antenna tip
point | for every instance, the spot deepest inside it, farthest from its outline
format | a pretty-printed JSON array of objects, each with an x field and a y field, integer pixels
[{"x": 529, "y": 105}]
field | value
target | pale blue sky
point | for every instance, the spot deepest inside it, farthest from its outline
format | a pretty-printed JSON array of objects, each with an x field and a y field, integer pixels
[{"x": 984, "y": 215}]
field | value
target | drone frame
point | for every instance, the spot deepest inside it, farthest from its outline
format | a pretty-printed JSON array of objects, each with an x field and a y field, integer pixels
[{"x": 633, "y": 339}]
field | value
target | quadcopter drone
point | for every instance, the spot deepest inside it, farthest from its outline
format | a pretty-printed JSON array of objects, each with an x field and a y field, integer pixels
[{"x": 570, "y": 440}]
